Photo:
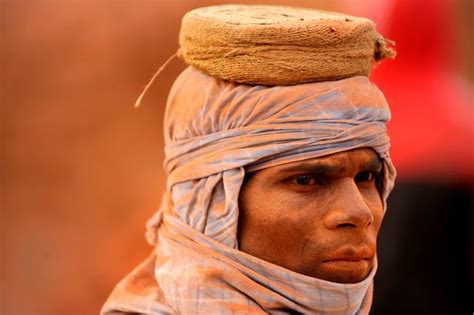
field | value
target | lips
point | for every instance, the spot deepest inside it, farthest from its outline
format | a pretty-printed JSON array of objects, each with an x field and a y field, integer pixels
[
  {"x": 350, "y": 254},
  {"x": 347, "y": 264}
]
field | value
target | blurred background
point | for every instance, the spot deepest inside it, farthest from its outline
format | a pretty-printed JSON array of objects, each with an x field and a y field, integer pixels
[{"x": 81, "y": 169}]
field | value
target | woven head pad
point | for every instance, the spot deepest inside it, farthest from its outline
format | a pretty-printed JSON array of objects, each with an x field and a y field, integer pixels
[{"x": 278, "y": 45}]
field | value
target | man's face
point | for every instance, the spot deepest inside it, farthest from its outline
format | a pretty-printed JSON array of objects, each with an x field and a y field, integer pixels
[{"x": 318, "y": 217}]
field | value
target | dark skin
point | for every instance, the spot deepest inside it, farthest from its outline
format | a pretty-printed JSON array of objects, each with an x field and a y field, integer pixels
[{"x": 318, "y": 217}]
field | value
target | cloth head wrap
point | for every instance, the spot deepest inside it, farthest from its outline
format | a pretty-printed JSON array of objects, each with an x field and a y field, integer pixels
[{"x": 215, "y": 132}]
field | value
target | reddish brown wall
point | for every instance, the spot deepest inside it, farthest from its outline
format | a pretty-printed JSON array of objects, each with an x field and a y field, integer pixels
[{"x": 81, "y": 170}]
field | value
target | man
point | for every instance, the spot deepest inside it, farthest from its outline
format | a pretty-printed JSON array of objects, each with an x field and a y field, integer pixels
[{"x": 275, "y": 195}]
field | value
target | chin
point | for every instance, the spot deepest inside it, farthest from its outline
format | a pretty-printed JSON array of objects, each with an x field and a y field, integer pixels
[
  {"x": 342, "y": 271},
  {"x": 347, "y": 278}
]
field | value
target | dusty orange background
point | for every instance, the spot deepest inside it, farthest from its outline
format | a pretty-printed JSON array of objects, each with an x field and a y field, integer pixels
[{"x": 81, "y": 169}]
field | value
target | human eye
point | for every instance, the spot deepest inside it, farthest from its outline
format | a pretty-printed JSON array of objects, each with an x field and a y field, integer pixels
[
  {"x": 366, "y": 177},
  {"x": 306, "y": 180}
]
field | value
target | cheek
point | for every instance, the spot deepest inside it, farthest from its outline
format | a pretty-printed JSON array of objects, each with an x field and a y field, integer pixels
[
  {"x": 275, "y": 225},
  {"x": 279, "y": 212}
]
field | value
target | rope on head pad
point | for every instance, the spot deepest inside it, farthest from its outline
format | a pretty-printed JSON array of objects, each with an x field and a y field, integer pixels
[{"x": 149, "y": 84}]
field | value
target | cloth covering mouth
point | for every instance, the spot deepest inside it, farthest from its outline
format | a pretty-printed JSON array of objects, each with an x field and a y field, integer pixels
[{"x": 215, "y": 132}]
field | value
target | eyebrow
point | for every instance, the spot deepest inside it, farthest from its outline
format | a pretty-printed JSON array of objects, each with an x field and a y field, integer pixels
[{"x": 322, "y": 167}]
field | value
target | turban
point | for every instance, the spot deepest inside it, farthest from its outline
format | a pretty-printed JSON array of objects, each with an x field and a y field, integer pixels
[{"x": 216, "y": 131}]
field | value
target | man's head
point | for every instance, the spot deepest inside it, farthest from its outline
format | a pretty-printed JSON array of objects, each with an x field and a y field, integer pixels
[
  {"x": 319, "y": 217},
  {"x": 276, "y": 188},
  {"x": 275, "y": 194}
]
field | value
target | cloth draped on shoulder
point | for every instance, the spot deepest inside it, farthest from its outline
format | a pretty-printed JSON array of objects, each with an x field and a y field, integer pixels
[{"x": 216, "y": 131}]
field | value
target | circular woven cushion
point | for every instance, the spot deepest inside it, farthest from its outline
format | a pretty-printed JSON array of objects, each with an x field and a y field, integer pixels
[{"x": 278, "y": 45}]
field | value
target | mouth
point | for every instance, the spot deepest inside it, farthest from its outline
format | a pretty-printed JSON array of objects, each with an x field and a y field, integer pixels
[
  {"x": 351, "y": 254},
  {"x": 353, "y": 262}
]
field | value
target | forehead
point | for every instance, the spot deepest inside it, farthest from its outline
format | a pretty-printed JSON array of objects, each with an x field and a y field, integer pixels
[{"x": 353, "y": 160}]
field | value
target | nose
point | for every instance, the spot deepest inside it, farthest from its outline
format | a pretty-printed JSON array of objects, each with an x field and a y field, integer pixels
[{"x": 348, "y": 208}]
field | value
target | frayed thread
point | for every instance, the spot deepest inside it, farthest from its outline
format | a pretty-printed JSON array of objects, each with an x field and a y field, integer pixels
[
  {"x": 149, "y": 84},
  {"x": 384, "y": 49}
]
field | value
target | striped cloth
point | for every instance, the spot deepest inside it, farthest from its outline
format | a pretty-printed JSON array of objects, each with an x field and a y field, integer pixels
[{"x": 215, "y": 132}]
